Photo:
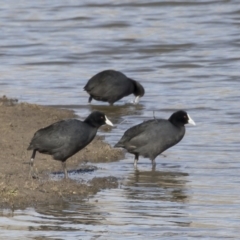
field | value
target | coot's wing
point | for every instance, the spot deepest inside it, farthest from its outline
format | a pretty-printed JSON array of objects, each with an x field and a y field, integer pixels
[
  {"x": 106, "y": 84},
  {"x": 134, "y": 132},
  {"x": 141, "y": 134},
  {"x": 52, "y": 137},
  {"x": 158, "y": 137},
  {"x": 153, "y": 132}
]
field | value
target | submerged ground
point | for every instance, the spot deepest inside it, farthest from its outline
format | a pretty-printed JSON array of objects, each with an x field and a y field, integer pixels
[{"x": 18, "y": 124}]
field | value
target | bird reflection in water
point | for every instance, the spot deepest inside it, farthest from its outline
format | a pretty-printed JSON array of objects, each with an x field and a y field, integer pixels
[{"x": 158, "y": 185}]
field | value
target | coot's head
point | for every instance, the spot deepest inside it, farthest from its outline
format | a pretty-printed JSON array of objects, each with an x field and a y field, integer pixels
[
  {"x": 97, "y": 119},
  {"x": 181, "y": 118},
  {"x": 138, "y": 89}
]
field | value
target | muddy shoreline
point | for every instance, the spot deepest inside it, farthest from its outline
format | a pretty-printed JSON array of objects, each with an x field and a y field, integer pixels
[{"x": 19, "y": 121}]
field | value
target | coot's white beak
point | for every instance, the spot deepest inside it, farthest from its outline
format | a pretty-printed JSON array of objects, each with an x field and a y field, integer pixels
[
  {"x": 190, "y": 121},
  {"x": 136, "y": 100},
  {"x": 108, "y": 122}
]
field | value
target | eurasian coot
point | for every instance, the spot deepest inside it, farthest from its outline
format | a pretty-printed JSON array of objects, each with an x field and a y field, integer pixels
[
  {"x": 65, "y": 138},
  {"x": 152, "y": 137},
  {"x": 110, "y": 86}
]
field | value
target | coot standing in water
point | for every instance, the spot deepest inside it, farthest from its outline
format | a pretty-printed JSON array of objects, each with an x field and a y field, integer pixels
[
  {"x": 110, "y": 86},
  {"x": 152, "y": 137},
  {"x": 65, "y": 138}
]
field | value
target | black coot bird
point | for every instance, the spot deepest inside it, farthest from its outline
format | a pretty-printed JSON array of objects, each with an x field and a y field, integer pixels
[
  {"x": 152, "y": 137},
  {"x": 65, "y": 138},
  {"x": 110, "y": 86}
]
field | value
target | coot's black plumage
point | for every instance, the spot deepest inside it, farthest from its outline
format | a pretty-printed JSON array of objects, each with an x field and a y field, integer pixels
[
  {"x": 152, "y": 137},
  {"x": 110, "y": 86},
  {"x": 65, "y": 138}
]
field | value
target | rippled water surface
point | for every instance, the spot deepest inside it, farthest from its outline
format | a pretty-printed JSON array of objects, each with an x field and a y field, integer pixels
[{"x": 186, "y": 54}]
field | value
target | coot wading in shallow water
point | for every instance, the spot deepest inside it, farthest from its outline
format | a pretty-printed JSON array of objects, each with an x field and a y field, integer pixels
[
  {"x": 110, "y": 86},
  {"x": 65, "y": 138},
  {"x": 152, "y": 137}
]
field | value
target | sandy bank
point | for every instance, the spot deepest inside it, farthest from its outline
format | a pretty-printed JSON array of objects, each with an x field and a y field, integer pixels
[{"x": 18, "y": 124}]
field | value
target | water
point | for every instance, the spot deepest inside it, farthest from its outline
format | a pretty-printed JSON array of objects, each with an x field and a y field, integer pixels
[{"x": 186, "y": 54}]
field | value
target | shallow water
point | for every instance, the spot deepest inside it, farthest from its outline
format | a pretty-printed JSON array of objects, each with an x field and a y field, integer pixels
[{"x": 186, "y": 54}]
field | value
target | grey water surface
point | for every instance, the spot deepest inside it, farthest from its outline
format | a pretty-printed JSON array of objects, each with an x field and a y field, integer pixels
[{"x": 187, "y": 56}]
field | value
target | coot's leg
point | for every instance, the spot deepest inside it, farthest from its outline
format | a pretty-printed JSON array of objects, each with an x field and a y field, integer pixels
[
  {"x": 153, "y": 163},
  {"x": 90, "y": 99},
  {"x": 32, "y": 162},
  {"x": 65, "y": 170},
  {"x": 136, "y": 160}
]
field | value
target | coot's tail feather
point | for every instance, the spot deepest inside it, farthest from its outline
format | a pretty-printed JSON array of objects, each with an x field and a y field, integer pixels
[
  {"x": 118, "y": 145},
  {"x": 30, "y": 147}
]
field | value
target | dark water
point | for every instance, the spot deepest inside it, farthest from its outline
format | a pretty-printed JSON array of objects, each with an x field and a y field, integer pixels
[{"x": 186, "y": 54}]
